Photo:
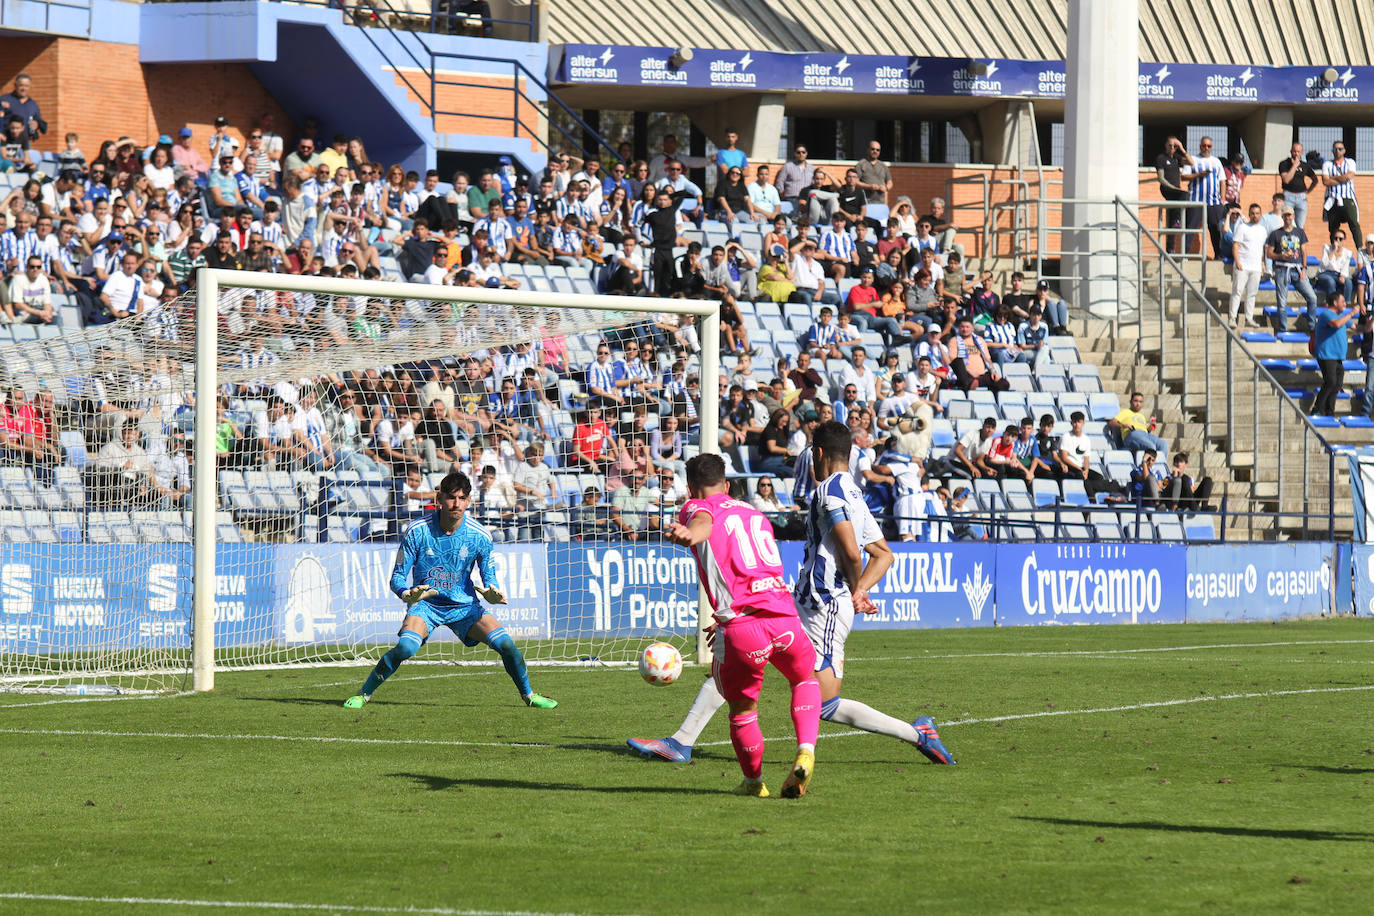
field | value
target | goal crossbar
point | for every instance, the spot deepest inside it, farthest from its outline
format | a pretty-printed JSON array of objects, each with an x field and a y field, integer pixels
[{"x": 210, "y": 282}]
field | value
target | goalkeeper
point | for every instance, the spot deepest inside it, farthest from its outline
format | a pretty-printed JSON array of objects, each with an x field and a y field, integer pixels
[{"x": 433, "y": 576}]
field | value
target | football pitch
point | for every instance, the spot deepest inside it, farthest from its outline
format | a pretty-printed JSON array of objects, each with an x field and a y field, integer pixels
[{"x": 1101, "y": 769}]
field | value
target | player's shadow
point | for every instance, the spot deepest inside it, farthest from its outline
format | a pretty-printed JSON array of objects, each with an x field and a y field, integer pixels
[
  {"x": 1317, "y": 768},
  {"x": 335, "y": 701},
  {"x": 440, "y": 783},
  {"x": 1339, "y": 836}
]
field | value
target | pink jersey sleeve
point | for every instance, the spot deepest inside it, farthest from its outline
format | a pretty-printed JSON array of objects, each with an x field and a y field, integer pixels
[{"x": 740, "y": 567}]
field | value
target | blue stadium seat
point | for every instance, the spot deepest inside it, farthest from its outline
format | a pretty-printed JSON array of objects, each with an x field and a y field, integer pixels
[
  {"x": 1045, "y": 492},
  {"x": 1103, "y": 405},
  {"x": 1075, "y": 493},
  {"x": 1199, "y": 527},
  {"x": 1052, "y": 383}
]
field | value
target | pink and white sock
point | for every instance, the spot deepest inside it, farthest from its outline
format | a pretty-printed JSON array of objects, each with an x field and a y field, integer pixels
[
  {"x": 806, "y": 710},
  {"x": 747, "y": 738}
]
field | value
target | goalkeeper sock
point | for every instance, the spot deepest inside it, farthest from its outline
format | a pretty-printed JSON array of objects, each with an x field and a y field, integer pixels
[
  {"x": 511, "y": 657},
  {"x": 703, "y": 708},
  {"x": 747, "y": 738},
  {"x": 806, "y": 711},
  {"x": 408, "y": 645},
  {"x": 852, "y": 712}
]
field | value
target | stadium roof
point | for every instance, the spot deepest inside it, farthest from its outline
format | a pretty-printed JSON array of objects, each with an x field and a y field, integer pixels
[{"x": 1266, "y": 32}]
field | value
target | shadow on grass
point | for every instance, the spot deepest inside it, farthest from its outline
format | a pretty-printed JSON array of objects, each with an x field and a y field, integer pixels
[
  {"x": 339, "y": 701},
  {"x": 1343, "y": 771},
  {"x": 440, "y": 783},
  {"x": 1340, "y": 836}
]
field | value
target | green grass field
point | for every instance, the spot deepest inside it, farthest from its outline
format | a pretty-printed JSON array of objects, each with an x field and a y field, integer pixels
[{"x": 1103, "y": 770}]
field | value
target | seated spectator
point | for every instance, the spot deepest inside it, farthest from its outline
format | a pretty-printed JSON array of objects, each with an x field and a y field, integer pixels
[
  {"x": 733, "y": 206},
  {"x": 821, "y": 339},
  {"x": 1055, "y": 312},
  {"x": 775, "y": 277},
  {"x": 1338, "y": 267},
  {"x": 1018, "y": 300},
  {"x": 763, "y": 195},
  {"x": 493, "y": 499},
  {"x": 1048, "y": 443},
  {"x": 1133, "y": 431},
  {"x": 688, "y": 278},
  {"x": 1147, "y": 479},
  {"x": 1180, "y": 493},
  {"x": 806, "y": 379},
  {"x": 592, "y": 520},
  {"x": 1001, "y": 337},
  {"x": 632, "y": 504},
  {"x": 1030, "y": 337},
  {"x": 774, "y": 457},
  {"x": 626, "y": 276},
  {"x": 224, "y": 189},
  {"x": 1076, "y": 457},
  {"x": 971, "y": 362},
  {"x": 836, "y": 250},
  {"x": 30, "y": 294},
  {"x": 809, "y": 275}
]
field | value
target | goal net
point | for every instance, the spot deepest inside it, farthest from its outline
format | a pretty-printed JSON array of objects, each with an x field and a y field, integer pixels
[{"x": 146, "y": 546}]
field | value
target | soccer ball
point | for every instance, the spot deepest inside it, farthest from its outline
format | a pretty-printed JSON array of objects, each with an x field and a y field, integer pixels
[{"x": 661, "y": 664}]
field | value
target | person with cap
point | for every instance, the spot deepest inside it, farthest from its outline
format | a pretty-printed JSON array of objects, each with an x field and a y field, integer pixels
[
  {"x": 1284, "y": 248},
  {"x": 186, "y": 157},
  {"x": 1053, "y": 310},
  {"x": 220, "y": 143}
]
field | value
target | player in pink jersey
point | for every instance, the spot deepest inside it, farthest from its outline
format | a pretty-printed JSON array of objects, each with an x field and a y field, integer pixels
[{"x": 756, "y": 620}]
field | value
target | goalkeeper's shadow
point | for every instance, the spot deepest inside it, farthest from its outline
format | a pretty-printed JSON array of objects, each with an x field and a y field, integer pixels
[{"x": 436, "y": 783}]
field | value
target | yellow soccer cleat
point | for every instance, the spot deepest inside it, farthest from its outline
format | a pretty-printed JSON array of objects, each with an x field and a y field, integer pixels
[
  {"x": 756, "y": 789},
  {"x": 800, "y": 777}
]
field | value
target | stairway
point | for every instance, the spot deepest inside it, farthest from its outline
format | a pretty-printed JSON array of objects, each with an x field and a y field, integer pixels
[{"x": 1243, "y": 457}]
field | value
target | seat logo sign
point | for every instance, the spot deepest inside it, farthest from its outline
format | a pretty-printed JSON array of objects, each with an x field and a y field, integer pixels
[{"x": 977, "y": 589}]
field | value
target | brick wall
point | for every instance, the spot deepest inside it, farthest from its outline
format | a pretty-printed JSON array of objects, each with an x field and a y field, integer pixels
[{"x": 100, "y": 91}]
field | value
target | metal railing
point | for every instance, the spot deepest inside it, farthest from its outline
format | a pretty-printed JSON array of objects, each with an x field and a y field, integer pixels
[
  {"x": 435, "y": 16},
  {"x": 1196, "y": 316},
  {"x": 985, "y": 211}
]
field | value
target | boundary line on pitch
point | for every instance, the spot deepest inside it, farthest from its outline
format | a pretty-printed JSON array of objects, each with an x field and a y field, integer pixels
[
  {"x": 429, "y": 742},
  {"x": 1047, "y": 713},
  {"x": 268, "y": 905},
  {"x": 1091, "y": 652}
]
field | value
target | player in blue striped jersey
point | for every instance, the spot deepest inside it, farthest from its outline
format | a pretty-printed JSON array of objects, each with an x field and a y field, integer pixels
[
  {"x": 433, "y": 576},
  {"x": 846, "y": 555}
]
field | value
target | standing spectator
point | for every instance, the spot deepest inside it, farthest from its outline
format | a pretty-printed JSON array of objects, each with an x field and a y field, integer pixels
[
  {"x": 730, "y": 157},
  {"x": 1205, "y": 176},
  {"x": 874, "y": 176},
  {"x": 1330, "y": 346},
  {"x": 663, "y": 225},
  {"x": 1338, "y": 175},
  {"x": 1248, "y": 243},
  {"x": 1169, "y": 170},
  {"x": 1285, "y": 250},
  {"x": 221, "y": 142},
  {"x": 19, "y": 102},
  {"x": 1298, "y": 178},
  {"x": 795, "y": 175},
  {"x": 1235, "y": 171}
]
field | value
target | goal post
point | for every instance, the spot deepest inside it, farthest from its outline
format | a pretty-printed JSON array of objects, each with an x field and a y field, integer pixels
[{"x": 506, "y": 317}]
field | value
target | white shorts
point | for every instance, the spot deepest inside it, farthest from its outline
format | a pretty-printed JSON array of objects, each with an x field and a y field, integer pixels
[{"x": 828, "y": 628}]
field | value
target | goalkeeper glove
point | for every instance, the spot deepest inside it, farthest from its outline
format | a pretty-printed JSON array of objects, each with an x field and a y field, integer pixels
[
  {"x": 418, "y": 593},
  {"x": 492, "y": 594}
]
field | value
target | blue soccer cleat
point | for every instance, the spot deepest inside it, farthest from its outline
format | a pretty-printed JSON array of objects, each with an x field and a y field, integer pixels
[
  {"x": 930, "y": 743},
  {"x": 667, "y": 748}
]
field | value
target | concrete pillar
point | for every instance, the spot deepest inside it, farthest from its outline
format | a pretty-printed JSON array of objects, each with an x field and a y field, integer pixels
[
  {"x": 1268, "y": 135},
  {"x": 1008, "y": 134},
  {"x": 1101, "y": 115},
  {"x": 757, "y": 116}
]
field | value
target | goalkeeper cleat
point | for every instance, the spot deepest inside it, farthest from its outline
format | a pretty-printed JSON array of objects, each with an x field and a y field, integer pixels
[
  {"x": 668, "y": 749},
  {"x": 800, "y": 777},
  {"x": 539, "y": 702},
  {"x": 930, "y": 743},
  {"x": 753, "y": 789},
  {"x": 357, "y": 702}
]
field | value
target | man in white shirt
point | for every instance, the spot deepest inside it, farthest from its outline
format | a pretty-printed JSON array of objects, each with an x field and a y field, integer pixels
[
  {"x": 860, "y": 376},
  {"x": 809, "y": 275},
  {"x": 122, "y": 290},
  {"x": 31, "y": 294},
  {"x": 895, "y": 406},
  {"x": 308, "y": 429},
  {"x": 1248, "y": 254},
  {"x": 1076, "y": 457}
]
